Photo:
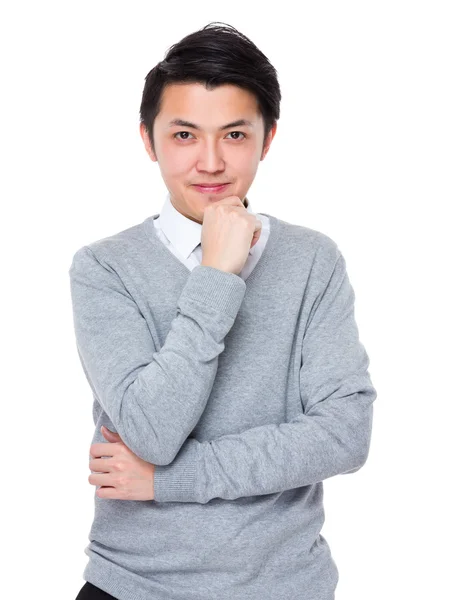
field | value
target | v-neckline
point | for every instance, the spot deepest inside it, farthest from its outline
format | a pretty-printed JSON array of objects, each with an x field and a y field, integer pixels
[{"x": 275, "y": 227}]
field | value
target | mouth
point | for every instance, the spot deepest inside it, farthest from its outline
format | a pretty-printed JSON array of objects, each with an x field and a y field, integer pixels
[{"x": 209, "y": 189}]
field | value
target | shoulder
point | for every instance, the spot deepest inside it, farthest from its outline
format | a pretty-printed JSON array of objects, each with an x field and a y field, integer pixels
[
  {"x": 302, "y": 242},
  {"x": 117, "y": 247}
]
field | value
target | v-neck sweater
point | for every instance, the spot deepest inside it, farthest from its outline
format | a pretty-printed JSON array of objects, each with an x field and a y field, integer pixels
[{"x": 245, "y": 395}]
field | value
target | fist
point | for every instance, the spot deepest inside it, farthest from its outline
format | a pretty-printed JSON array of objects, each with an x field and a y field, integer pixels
[{"x": 228, "y": 233}]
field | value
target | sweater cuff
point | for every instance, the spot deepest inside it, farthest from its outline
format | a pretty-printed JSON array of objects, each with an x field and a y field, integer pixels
[
  {"x": 222, "y": 290},
  {"x": 177, "y": 481}
]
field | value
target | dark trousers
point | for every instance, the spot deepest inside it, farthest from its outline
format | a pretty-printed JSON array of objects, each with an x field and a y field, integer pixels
[{"x": 91, "y": 592}]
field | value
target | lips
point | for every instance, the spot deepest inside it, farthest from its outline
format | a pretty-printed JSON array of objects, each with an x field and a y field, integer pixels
[{"x": 215, "y": 188}]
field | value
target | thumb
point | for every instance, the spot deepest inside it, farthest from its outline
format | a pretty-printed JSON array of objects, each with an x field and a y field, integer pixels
[{"x": 110, "y": 435}]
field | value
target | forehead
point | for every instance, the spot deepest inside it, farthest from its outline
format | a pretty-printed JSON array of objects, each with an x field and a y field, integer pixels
[{"x": 193, "y": 102}]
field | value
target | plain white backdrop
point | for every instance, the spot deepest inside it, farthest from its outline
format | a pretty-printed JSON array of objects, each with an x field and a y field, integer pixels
[{"x": 362, "y": 153}]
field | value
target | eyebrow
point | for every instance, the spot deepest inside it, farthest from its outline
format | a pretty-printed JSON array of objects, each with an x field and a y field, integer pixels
[{"x": 182, "y": 123}]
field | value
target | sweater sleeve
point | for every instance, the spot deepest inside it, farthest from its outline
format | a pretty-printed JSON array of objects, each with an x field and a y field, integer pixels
[
  {"x": 331, "y": 436},
  {"x": 154, "y": 399}
]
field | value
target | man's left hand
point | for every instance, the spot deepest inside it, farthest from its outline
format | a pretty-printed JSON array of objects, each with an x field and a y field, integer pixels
[{"x": 123, "y": 475}]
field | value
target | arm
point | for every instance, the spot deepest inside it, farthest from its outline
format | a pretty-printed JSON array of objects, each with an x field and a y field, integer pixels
[
  {"x": 330, "y": 437},
  {"x": 154, "y": 399}
]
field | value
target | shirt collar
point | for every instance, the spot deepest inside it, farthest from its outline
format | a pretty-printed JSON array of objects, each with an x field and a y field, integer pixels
[{"x": 181, "y": 231}]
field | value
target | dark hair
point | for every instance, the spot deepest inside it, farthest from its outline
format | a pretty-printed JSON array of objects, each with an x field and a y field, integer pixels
[{"x": 214, "y": 55}]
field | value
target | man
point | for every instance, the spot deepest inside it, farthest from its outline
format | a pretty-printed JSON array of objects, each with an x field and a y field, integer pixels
[{"x": 223, "y": 354}]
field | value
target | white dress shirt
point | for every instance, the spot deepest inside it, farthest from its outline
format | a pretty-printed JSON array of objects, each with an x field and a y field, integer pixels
[{"x": 183, "y": 237}]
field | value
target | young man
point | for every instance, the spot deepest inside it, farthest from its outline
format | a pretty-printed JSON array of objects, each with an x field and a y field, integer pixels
[{"x": 223, "y": 354}]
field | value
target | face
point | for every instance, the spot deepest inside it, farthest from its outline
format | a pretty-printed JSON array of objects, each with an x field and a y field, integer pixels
[{"x": 202, "y": 149}]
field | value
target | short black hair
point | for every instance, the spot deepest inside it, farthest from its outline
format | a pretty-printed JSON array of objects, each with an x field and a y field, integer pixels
[{"x": 214, "y": 55}]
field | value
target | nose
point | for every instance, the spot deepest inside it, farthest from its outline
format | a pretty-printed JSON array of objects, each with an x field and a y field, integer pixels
[{"x": 210, "y": 157}]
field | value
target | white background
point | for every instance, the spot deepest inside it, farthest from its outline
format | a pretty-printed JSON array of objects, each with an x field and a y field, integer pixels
[{"x": 362, "y": 153}]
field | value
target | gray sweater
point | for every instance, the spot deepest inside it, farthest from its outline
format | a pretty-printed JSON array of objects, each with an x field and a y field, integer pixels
[{"x": 246, "y": 395}]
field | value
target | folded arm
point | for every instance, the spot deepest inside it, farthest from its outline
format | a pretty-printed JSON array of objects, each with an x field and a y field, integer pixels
[
  {"x": 154, "y": 399},
  {"x": 330, "y": 436}
]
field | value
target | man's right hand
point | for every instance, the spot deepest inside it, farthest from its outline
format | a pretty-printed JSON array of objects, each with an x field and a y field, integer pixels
[{"x": 228, "y": 233}]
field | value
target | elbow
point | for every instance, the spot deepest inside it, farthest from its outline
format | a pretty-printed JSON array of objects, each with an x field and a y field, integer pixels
[
  {"x": 147, "y": 447},
  {"x": 361, "y": 436},
  {"x": 140, "y": 444},
  {"x": 358, "y": 455},
  {"x": 357, "y": 461},
  {"x": 169, "y": 450},
  {"x": 150, "y": 440},
  {"x": 164, "y": 458}
]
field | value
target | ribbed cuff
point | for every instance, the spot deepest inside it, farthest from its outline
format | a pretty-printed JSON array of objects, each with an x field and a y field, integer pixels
[
  {"x": 176, "y": 482},
  {"x": 221, "y": 290}
]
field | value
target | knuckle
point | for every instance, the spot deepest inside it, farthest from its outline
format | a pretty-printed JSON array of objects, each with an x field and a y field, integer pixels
[
  {"x": 121, "y": 481},
  {"x": 120, "y": 450},
  {"x": 124, "y": 451}
]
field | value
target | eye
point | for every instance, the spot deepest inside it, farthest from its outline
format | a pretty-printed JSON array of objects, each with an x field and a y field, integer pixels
[
  {"x": 176, "y": 134},
  {"x": 241, "y": 133},
  {"x": 179, "y": 132}
]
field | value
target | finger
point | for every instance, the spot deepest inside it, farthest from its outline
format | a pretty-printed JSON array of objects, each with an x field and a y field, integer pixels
[
  {"x": 103, "y": 449},
  {"x": 111, "y": 437},
  {"x": 103, "y": 479},
  {"x": 101, "y": 465},
  {"x": 109, "y": 492},
  {"x": 256, "y": 237},
  {"x": 231, "y": 201},
  {"x": 104, "y": 429}
]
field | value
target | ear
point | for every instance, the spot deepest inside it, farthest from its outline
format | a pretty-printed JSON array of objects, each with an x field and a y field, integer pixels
[
  {"x": 147, "y": 142},
  {"x": 268, "y": 141}
]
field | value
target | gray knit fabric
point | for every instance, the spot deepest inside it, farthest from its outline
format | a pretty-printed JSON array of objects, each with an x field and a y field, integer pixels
[{"x": 245, "y": 394}]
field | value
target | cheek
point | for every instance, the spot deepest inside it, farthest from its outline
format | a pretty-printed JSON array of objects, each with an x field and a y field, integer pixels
[
  {"x": 246, "y": 161},
  {"x": 174, "y": 161},
  {"x": 177, "y": 167}
]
